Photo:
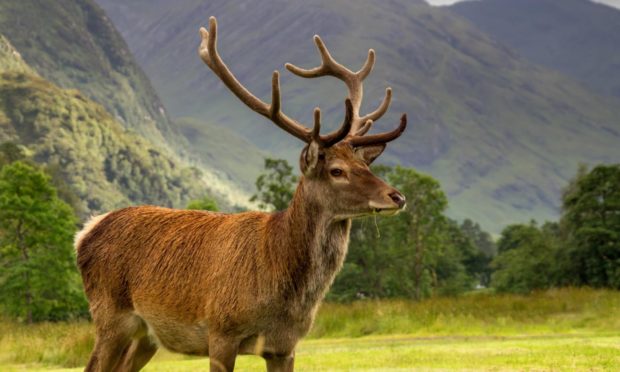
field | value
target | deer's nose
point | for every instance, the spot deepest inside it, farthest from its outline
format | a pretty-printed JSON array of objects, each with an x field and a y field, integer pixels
[{"x": 398, "y": 198}]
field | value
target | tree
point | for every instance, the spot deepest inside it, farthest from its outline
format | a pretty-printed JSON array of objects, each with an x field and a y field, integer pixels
[
  {"x": 11, "y": 152},
  {"x": 423, "y": 223},
  {"x": 38, "y": 280},
  {"x": 526, "y": 259},
  {"x": 478, "y": 262},
  {"x": 591, "y": 228},
  {"x": 277, "y": 186},
  {"x": 205, "y": 204}
]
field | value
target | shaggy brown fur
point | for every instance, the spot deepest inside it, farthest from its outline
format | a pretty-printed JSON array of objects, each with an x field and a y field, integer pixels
[
  {"x": 194, "y": 281},
  {"x": 223, "y": 284}
]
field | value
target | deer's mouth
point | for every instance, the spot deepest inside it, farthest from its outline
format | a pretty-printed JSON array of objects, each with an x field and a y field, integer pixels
[{"x": 385, "y": 210}]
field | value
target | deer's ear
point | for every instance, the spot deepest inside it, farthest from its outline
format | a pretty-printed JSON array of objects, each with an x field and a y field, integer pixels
[
  {"x": 309, "y": 158},
  {"x": 369, "y": 153}
]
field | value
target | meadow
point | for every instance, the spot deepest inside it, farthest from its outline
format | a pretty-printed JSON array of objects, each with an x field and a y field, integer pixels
[{"x": 560, "y": 329}]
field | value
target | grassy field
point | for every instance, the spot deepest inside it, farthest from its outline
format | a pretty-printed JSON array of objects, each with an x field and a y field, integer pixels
[{"x": 569, "y": 329}]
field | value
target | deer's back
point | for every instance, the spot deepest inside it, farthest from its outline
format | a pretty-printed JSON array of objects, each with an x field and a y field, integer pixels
[{"x": 159, "y": 260}]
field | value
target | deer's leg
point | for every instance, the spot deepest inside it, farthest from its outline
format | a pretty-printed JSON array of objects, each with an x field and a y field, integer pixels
[
  {"x": 222, "y": 353},
  {"x": 137, "y": 354},
  {"x": 109, "y": 347},
  {"x": 279, "y": 362}
]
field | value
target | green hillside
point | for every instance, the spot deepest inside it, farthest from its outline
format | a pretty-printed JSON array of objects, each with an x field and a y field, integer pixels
[
  {"x": 577, "y": 37},
  {"x": 237, "y": 159},
  {"x": 73, "y": 44},
  {"x": 502, "y": 134},
  {"x": 106, "y": 166}
]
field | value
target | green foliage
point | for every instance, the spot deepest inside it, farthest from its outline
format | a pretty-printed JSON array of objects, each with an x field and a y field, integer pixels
[
  {"x": 414, "y": 254},
  {"x": 11, "y": 152},
  {"x": 205, "y": 204},
  {"x": 10, "y": 59},
  {"x": 275, "y": 187},
  {"x": 87, "y": 152},
  {"x": 526, "y": 259},
  {"x": 583, "y": 249},
  {"x": 38, "y": 280},
  {"x": 478, "y": 260},
  {"x": 591, "y": 227},
  {"x": 74, "y": 45}
]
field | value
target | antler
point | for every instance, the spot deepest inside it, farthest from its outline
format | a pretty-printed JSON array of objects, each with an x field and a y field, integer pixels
[
  {"x": 353, "y": 80},
  {"x": 209, "y": 54},
  {"x": 354, "y": 126},
  {"x": 360, "y": 140}
]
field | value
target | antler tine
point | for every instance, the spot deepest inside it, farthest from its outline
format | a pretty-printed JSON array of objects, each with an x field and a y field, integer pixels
[
  {"x": 275, "y": 94},
  {"x": 382, "y": 109},
  {"x": 345, "y": 128},
  {"x": 336, "y": 136},
  {"x": 379, "y": 138},
  {"x": 209, "y": 54},
  {"x": 316, "y": 131},
  {"x": 368, "y": 65},
  {"x": 364, "y": 129},
  {"x": 353, "y": 80}
]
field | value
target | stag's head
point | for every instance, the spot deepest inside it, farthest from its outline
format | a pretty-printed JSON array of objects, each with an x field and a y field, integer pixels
[{"x": 335, "y": 166}]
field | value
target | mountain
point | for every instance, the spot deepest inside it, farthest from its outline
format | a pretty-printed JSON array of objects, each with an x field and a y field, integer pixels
[
  {"x": 502, "y": 134},
  {"x": 73, "y": 44},
  {"x": 104, "y": 164},
  {"x": 576, "y": 37}
]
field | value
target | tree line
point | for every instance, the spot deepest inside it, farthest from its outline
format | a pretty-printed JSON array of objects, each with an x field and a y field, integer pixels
[
  {"x": 418, "y": 253},
  {"x": 421, "y": 252}
]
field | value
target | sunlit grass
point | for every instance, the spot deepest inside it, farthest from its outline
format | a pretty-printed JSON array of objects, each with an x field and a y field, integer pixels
[
  {"x": 564, "y": 329},
  {"x": 552, "y": 311}
]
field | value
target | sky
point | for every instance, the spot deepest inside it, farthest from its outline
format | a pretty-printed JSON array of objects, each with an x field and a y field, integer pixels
[{"x": 614, "y": 3}]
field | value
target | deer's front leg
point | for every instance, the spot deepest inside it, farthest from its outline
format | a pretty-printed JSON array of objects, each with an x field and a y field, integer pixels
[
  {"x": 222, "y": 353},
  {"x": 280, "y": 362}
]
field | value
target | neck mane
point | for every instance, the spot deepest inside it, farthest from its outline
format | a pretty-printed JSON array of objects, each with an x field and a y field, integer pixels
[{"x": 311, "y": 246}]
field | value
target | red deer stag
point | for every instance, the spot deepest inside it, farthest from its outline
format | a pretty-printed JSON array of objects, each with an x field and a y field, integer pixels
[{"x": 218, "y": 284}]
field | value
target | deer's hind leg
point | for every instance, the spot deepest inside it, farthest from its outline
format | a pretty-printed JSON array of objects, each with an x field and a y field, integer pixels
[
  {"x": 280, "y": 362},
  {"x": 137, "y": 354},
  {"x": 222, "y": 352},
  {"x": 112, "y": 339}
]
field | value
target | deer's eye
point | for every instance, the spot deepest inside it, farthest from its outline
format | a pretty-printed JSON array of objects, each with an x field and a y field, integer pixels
[{"x": 336, "y": 172}]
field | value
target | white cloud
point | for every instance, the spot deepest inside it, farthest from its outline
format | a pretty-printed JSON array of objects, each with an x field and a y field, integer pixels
[{"x": 614, "y": 3}]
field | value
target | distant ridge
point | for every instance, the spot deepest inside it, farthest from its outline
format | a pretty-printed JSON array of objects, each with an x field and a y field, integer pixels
[
  {"x": 502, "y": 134},
  {"x": 579, "y": 38}
]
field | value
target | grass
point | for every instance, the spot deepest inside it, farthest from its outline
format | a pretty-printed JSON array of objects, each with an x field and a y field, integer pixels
[{"x": 568, "y": 329}]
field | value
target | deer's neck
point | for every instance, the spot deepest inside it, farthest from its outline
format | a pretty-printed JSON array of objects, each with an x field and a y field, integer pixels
[{"x": 314, "y": 246}]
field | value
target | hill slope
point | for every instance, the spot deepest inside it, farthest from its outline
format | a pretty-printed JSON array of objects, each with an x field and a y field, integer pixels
[
  {"x": 106, "y": 166},
  {"x": 73, "y": 44},
  {"x": 503, "y": 135},
  {"x": 577, "y": 37}
]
